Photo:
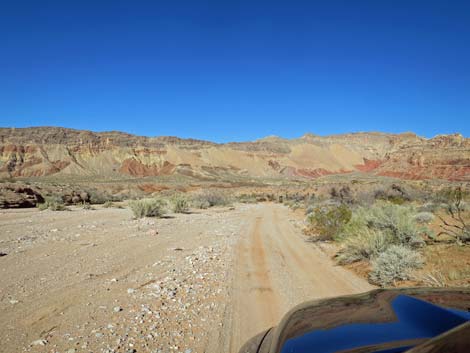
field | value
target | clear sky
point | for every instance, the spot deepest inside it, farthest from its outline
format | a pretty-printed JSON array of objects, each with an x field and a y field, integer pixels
[{"x": 236, "y": 70}]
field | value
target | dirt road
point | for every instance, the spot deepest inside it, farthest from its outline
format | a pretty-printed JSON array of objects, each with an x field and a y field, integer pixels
[
  {"x": 275, "y": 269},
  {"x": 99, "y": 281}
]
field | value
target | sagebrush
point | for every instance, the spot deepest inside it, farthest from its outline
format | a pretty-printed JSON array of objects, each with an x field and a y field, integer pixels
[
  {"x": 180, "y": 204},
  {"x": 395, "y": 263},
  {"x": 147, "y": 208}
]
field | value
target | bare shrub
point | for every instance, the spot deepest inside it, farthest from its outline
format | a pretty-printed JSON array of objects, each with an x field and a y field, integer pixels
[
  {"x": 458, "y": 227},
  {"x": 395, "y": 263},
  {"x": 147, "y": 208}
]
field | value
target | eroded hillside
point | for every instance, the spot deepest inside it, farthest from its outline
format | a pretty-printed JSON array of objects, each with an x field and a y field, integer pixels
[{"x": 47, "y": 151}]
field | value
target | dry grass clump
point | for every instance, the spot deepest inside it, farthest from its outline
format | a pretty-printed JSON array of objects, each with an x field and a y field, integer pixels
[{"x": 147, "y": 208}]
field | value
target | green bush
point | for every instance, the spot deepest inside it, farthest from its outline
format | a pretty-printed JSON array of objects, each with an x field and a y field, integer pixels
[
  {"x": 180, "y": 204},
  {"x": 327, "y": 221},
  {"x": 395, "y": 263},
  {"x": 147, "y": 208},
  {"x": 53, "y": 204}
]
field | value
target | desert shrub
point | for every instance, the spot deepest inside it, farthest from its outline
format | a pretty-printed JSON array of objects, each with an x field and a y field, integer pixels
[
  {"x": 431, "y": 207},
  {"x": 424, "y": 217},
  {"x": 395, "y": 194},
  {"x": 180, "y": 204},
  {"x": 395, "y": 263},
  {"x": 343, "y": 194},
  {"x": 111, "y": 204},
  {"x": 53, "y": 204},
  {"x": 96, "y": 197},
  {"x": 366, "y": 245},
  {"x": 200, "y": 203},
  {"x": 210, "y": 198},
  {"x": 396, "y": 220},
  {"x": 372, "y": 230},
  {"x": 147, "y": 208},
  {"x": 294, "y": 205},
  {"x": 327, "y": 221},
  {"x": 310, "y": 209},
  {"x": 247, "y": 198}
]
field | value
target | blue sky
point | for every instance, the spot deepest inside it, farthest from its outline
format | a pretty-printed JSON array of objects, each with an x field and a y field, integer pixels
[{"x": 236, "y": 70}]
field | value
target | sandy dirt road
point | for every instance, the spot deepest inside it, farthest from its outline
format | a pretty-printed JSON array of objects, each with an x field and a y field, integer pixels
[
  {"x": 98, "y": 281},
  {"x": 275, "y": 269}
]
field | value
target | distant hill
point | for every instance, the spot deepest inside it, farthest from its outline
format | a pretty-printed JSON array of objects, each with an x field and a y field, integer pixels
[{"x": 43, "y": 151}]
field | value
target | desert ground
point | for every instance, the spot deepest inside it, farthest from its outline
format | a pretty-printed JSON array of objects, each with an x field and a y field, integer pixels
[{"x": 101, "y": 281}]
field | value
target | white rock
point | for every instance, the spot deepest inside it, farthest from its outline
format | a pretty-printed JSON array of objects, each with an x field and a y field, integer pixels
[{"x": 41, "y": 342}]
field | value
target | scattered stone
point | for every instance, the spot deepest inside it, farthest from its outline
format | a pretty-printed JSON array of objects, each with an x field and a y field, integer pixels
[
  {"x": 3, "y": 254},
  {"x": 40, "y": 342},
  {"x": 14, "y": 301},
  {"x": 152, "y": 232},
  {"x": 117, "y": 309},
  {"x": 130, "y": 290}
]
